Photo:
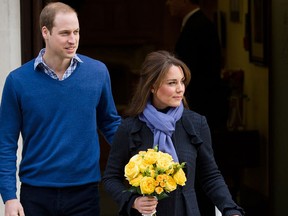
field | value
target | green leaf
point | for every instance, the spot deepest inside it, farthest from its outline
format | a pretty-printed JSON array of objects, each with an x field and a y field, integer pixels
[
  {"x": 162, "y": 196},
  {"x": 133, "y": 189},
  {"x": 156, "y": 148}
]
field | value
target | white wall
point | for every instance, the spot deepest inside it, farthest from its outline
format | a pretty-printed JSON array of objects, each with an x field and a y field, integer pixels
[{"x": 10, "y": 49}]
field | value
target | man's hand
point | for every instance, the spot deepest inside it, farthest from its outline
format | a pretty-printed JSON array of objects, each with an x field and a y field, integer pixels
[{"x": 13, "y": 208}]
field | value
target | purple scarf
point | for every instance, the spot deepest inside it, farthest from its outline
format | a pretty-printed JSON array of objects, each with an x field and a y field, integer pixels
[{"x": 162, "y": 125}]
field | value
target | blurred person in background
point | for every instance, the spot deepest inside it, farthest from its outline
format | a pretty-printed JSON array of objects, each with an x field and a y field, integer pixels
[{"x": 198, "y": 46}]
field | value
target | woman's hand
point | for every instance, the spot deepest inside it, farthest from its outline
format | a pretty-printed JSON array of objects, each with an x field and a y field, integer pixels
[{"x": 145, "y": 204}]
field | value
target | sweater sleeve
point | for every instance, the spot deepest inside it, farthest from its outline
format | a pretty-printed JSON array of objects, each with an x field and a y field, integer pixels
[
  {"x": 10, "y": 118},
  {"x": 107, "y": 116}
]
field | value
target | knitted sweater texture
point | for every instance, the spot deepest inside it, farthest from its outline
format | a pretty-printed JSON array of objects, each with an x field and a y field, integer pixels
[{"x": 58, "y": 122}]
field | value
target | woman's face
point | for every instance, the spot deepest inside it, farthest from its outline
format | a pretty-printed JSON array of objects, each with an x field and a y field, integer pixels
[{"x": 171, "y": 90}]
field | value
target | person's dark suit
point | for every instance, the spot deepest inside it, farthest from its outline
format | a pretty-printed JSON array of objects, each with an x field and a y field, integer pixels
[
  {"x": 193, "y": 145},
  {"x": 199, "y": 47}
]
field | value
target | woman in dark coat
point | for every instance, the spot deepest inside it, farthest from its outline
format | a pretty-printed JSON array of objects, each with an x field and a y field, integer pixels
[{"x": 159, "y": 115}]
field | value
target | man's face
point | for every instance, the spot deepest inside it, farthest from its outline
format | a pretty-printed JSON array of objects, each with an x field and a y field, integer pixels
[
  {"x": 63, "y": 40},
  {"x": 176, "y": 6}
]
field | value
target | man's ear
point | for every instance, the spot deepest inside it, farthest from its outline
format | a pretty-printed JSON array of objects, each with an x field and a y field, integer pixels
[{"x": 44, "y": 32}]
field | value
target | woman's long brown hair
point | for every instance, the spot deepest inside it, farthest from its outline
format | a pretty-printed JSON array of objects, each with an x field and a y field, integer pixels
[{"x": 153, "y": 70}]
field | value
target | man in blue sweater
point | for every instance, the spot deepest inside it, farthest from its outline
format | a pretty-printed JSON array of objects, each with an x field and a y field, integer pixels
[{"x": 57, "y": 102}]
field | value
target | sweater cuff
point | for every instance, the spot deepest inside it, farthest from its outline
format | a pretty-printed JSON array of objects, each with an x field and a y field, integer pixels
[{"x": 6, "y": 197}]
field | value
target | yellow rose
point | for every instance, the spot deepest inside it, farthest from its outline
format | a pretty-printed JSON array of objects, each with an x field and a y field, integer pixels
[
  {"x": 159, "y": 190},
  {"x": 166, "y": 156},
  {"x": 152, "y": 172},
  {"x": 143, "y": 166},
  {"x": 163, "y": 184},
  {"x": 161, "y": 180},
  {"x": 137, "y": 159},
  {"x": 131, "y": 170},
  {"x": 151, "y": 150},
  {"x": 151, "y": 157},
  {"x": 136, "y": 181},
  {"x": 147, "y": 170},
  {"x": 142, "y": 153},
  {"x": 147, "y": 185},
  {"x": 165, "y": 162},
  {"x": 170, "y": 170},
  {"x": 170, "y": 184},
  {"x": 180, "y": 177}
]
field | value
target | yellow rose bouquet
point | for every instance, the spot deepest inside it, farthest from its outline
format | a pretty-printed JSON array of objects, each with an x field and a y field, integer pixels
[{"x": 154, "y": 173}]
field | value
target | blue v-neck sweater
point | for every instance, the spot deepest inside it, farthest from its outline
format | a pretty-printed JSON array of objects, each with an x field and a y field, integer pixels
[{"x": 58, "y": 121}]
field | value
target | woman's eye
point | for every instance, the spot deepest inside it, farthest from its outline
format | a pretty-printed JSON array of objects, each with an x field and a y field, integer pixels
[{"x": 172, "y": 83}]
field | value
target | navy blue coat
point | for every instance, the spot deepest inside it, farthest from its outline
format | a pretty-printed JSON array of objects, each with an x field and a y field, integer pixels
[{"x": 192, "y": 143}]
